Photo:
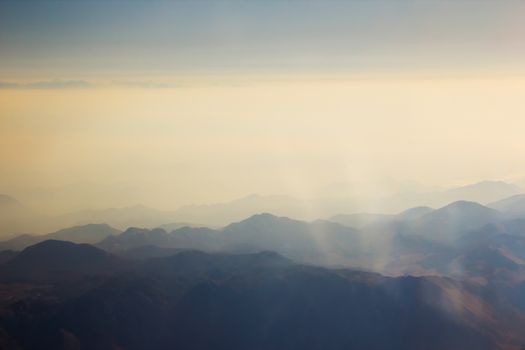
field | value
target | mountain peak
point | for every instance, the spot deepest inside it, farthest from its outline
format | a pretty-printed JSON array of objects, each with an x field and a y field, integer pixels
[
  {"x": 453, "y": 220},
  {"x": 263, "y": 218},
  {"x": 60, "y": 254},
  {"x": 415, "y": 212},
  {"x": 50, "y": 248},
  {"x": 54, "y": 260},
  {"x": 464, "y": 205},
  {"x": 492, "y": 185}
]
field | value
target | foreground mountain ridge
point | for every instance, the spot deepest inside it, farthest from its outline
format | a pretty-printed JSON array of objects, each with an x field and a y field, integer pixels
[{"x": 262, "y": 300}]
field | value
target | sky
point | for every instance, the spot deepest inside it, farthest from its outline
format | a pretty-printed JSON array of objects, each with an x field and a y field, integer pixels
[
  {"x": 168, "y": 103},
  {"x": 72, "y": 39}
]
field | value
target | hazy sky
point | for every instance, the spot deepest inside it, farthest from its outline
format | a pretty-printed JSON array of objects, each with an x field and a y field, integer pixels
[
  {"x": 79, "y": 38},
  {"x": 176, "y": 102}
]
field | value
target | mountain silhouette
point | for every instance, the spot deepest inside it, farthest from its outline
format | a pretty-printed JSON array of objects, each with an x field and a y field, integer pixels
[
  {"x": 446, "y": 223},
  {"x": 514, "y": 205},
  {"x": 195, "y": 300},
  {"x": 54, "y": 260},
  {"x": 319, "y": 242},
  {"x": 91, "y": 233},
  {"x": 414, "y": 213}
]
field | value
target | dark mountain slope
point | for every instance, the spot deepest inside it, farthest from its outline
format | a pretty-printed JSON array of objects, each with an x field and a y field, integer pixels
[
  {"x": 53, "y": 260},
  {"x": 6, "y": 255},
  {"x": 194, "y": 300}
]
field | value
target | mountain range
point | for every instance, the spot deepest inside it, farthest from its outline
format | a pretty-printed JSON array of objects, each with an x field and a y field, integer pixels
[
  {"x": 452, "y": 277},
  {"x": 320, "y": 242},
  {"x": 419, "y": 240},
  {"x": 17, "y": 218},
  {"x": 196, "y": 300}
]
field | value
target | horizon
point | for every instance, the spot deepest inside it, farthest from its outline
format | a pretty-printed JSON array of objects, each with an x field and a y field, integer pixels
[{"x": 17, "y": 218}]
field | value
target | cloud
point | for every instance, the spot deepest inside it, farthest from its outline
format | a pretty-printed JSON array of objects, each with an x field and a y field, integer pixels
[
  {"x": 48, "y": 84},
  {"x": 144, "y": 84},
  {"x": 82, "y": 84}
]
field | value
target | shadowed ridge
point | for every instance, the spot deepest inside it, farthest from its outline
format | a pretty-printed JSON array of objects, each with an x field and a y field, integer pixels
[{"x": 55, "y": 260}]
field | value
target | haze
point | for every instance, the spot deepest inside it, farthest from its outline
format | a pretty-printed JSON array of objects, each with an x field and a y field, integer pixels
[{"x": 114, "y": 104}]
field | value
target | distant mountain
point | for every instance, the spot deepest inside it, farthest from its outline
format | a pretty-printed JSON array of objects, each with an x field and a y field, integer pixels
[
  {"x": 419, "y": 241},
  {"x": 218, "y": 214},
  {"x": 363, "y": 220},
  {"x": 201, "y": 238},
  {"x": 135, "y": 237},
  {"x": 172, "y": 226},
  {"x": 121, "y": 218},
  {"x": 483, "y": 192},
  {"x": 318, "y": 242},
  {"x": 20, "y": 242},
  {"x": 495, "y": 251},
  {"x": 444, "y": 224},
  {"x": 193, "y": 300},
  {"x": 420, "y": 202},
  {"x": 183, "y": 238},
  {"x": 221, "y": 214},
  {"x": 91, "y": 233},
  {"x": 15, "y": 217},
  {"x": 427, "y": 243},
  {"x": 414, "y": 213},
  {"x": 514, "y": 205}
]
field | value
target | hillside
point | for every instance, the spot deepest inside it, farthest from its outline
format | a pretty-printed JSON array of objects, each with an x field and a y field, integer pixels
[{"x": 222, "y": 301}]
